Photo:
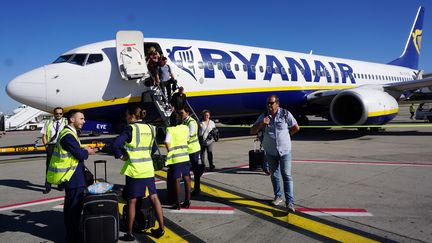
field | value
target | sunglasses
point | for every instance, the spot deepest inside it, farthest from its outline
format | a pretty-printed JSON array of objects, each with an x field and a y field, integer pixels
[
  {"x": 58, "y": 113},
  {"x": 271, "y": 102}
]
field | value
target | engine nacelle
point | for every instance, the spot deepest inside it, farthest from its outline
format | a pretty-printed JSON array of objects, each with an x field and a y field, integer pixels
[{"x": 363, "y": 106}]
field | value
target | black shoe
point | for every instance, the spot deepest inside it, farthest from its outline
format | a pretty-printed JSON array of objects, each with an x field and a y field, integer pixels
[
  {"x": 212, "y": 167},
  {"x": 195, "y": 192},
  {"x": 186, "y": 204},
  {"x": 176, "y": 206},
  {"x": 127, "y": 237},
  {"x": 158, "y": 233},
  {"x": 46, "y": 191},
  {"x": 60, "y": 188}
]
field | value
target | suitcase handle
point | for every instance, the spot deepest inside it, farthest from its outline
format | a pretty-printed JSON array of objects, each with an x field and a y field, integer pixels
[
  {"x": 100, "y": 162},
  {"x": 256, "y": 140}
]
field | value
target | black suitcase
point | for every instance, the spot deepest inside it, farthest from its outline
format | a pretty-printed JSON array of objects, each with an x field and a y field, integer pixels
[
  {"x": 256, "y": 157},
  {"x": 100, "y": 215},
  {"x": 145, "y": 215}
]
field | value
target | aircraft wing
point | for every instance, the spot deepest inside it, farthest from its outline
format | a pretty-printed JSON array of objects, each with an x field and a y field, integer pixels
[{"x": 409, "y": 85}]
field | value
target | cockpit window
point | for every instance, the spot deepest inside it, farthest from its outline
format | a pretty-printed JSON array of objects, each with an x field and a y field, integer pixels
[
  {"x": 93, "y": 58},
  {"x": 63, "y": 58},
  {"x": 78, "y": 59}
]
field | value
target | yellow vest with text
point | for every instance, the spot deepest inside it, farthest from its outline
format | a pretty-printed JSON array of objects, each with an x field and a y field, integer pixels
[
  {"x": 178, "y": 151},
  {"x": 193, "y": 143},
  {"x": 139, "y": 163},
  {"x": 62, "y": 164},
  {"x": 48, "y": 126}
]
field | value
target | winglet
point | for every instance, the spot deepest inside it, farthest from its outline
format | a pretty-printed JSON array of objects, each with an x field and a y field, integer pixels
[{"x": 410, "y": 55}]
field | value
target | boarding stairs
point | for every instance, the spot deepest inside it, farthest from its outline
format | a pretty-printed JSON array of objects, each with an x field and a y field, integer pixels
[
  {"x": 23, "y": 117},
  {"x": 155, "y": 99}
]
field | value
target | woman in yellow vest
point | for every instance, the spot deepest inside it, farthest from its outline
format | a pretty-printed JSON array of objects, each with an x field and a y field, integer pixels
[
  {"x": 134, "y": 146},
  {"x": 176, "y": 142},
  {"x": 194, "y": 150}
]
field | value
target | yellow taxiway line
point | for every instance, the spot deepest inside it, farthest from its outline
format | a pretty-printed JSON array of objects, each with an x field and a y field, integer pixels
[
  {"x": 293, "y": 219},
  {"x": 169, "y": 236}
]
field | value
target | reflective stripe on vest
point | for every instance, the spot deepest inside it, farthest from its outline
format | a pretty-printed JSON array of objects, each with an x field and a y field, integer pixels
[
  {"x": 178, "y": 152},
  {"x": 62, "y": 164},
  {"x": 140, "y": 163},
  {"x": 193, "y": 143},
  {"x": 48, "y": 126}
]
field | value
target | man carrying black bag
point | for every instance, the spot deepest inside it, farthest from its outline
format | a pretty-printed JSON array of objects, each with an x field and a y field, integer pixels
[{"x": 278, "y": 125}]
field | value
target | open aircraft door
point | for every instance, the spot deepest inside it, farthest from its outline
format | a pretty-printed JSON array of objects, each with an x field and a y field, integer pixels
[{"x": 130, "y": 54}]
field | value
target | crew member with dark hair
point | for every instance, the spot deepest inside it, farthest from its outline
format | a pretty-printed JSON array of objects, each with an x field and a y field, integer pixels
[
  {"x": 176, "y": 142},
  {"x": 67, "y": 167},
  {"x": 135, "y": 146},
  {"x": 194, "y": 149}
]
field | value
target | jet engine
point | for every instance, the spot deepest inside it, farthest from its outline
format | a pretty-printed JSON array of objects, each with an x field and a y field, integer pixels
[{"x": 363, "y": 106}]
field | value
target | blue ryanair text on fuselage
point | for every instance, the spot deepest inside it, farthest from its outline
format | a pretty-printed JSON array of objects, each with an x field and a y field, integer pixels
[{"x": 341, "y": 71}]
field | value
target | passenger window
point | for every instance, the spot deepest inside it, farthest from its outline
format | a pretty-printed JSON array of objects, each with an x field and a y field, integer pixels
[
  {"x": 236, "y": 67},
  {"x": 276, "y": 69},
  {"x": 63, "y": 58},
  {"x": 261, "y": 69},
  {"x": 94, "y": 58},
  {"x": 245, "y": 68},
  {"x": 313, "y": 72},
  {"x": 210, "y": 65},
  {"x": 283, "y": 70},
  {"x": 200, "y": 65},
  {"x": 228, "y": 66},
  {"x": 269, "y": 69},
  {"x": 179, "y": 63},
  {"x": 253, "y": 68},
  {"x": 219, "y": 65},
  {"x": 78, "y": 59},
  {"x": 289, "y": 70}
]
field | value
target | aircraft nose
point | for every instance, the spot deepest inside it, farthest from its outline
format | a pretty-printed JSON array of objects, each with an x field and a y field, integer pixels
[{"x": 29, "y": 88}]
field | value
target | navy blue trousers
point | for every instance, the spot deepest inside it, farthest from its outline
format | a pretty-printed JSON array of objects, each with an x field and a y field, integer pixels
[{"x": 73, "y": 205}]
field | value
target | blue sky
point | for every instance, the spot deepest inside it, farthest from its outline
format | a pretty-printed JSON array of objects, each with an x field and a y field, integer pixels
[{"x": 34, "y": 33}]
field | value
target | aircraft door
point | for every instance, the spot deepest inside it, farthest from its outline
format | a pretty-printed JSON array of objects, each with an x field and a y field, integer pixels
[{"x": 130, "y": 55}]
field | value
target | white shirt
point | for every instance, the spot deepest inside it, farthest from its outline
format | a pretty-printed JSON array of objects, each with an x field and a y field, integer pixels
[
  {"x": 206, "y": 128},
  {"x": 53, "y": 129}
]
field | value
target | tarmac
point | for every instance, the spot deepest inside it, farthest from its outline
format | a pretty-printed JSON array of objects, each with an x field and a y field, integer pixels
[{"x": 349, "y": 186}]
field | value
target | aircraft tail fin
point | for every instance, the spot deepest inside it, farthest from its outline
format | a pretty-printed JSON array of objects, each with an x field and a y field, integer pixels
[{"x": 411, "y": 53}]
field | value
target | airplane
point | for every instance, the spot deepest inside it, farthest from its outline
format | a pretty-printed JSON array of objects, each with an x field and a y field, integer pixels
[{"x": 231, "y": 80}]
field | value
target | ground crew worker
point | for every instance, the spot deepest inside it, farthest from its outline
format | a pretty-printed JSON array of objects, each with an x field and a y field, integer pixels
[
  {"x": 134, "y": 146},
  {"x": 50, "y": 133},
  {"x": 194, "y": 150},
  {"x": 412, "y": 110},
  {"x": 176, "y": 142},
  {"x": 67, "y": 166}
]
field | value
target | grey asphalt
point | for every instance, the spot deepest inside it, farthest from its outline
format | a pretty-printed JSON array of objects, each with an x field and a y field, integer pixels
[{"x": 388, "y": 174}]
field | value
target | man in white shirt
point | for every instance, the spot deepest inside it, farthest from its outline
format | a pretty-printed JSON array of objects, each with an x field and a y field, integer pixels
[{"x": 50, "y": 132}]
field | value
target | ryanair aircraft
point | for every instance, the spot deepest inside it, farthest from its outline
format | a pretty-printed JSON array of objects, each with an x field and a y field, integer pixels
[{"x": 232, "y": 81}]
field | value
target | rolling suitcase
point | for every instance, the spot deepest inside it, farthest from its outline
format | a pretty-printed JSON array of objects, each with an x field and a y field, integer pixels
[
  {"x": 256, "y": 157},
  {"x": 145, "y": 215},
  {"x": 100, "y": 215}
]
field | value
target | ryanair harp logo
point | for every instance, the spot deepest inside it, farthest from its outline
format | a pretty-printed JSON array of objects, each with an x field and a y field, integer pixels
[
  {"x": 183, "y": 58},
  {"x": 417, "y": 36}
]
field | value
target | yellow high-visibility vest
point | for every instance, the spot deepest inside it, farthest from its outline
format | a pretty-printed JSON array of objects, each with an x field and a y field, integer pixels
[
  {"x": 193, "y": 143},
  {"x": 178, "y": 151},
  {"x": 140, "y": 163},
  {"x": 48, "y": 126},
  {"x": 62, "y": 164}
]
